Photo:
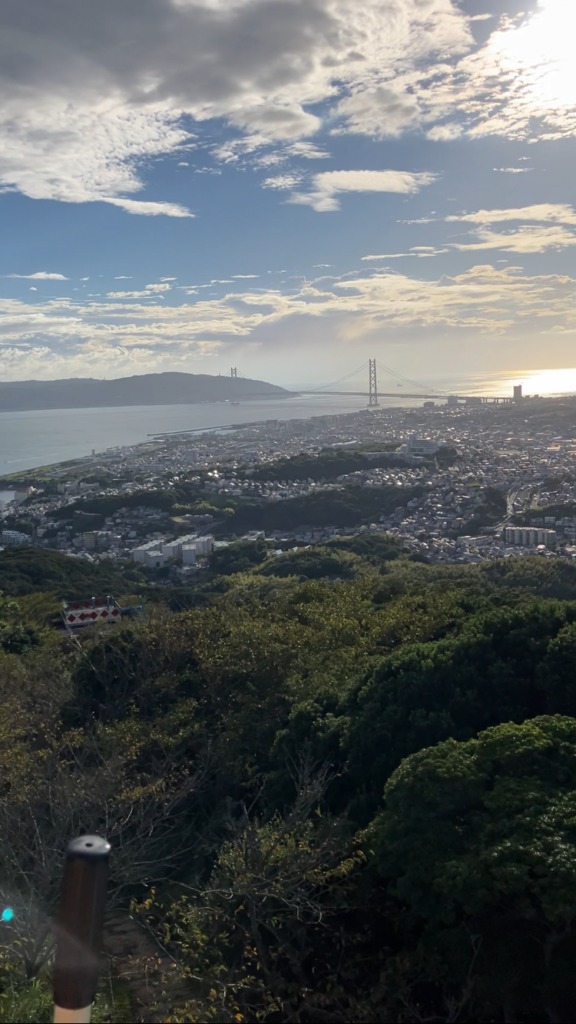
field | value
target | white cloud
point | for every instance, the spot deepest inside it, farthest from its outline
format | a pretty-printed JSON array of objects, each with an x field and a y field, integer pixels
[
  {"x": 245, "y": 277},
  {"x": 129, "y": 295},
  {"x": 149, "y": 209},
  {"x": 306, "y": 151},
  {"x": 527, "y": 239},
  {"x": 558, "y": 213},
  {"x": 277, "y": 121},
  {"x": 384, "y": 110},
  {"x": 105, "y": 337},
  {"x": 283, "y": 181},
  {"x": 444, "y": 132},
  {"x": 514, "y": 170},
  {"x": 417, "y": 251},
  {"x": 150, "y": 291},
  {"x": 90, "y": 94},
  {"x": 328, "y": 186},
  {"x": 521, "y": 84},
  {"x": 40, "y": 276}
]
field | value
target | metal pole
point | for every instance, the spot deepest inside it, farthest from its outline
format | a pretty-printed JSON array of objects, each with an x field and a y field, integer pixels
[{"x": 79, "y": 929}]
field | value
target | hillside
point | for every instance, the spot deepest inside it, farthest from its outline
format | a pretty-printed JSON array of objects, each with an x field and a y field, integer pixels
[
  {"x": 145, "y": 389},
  {"x": 339, "y": 787}
]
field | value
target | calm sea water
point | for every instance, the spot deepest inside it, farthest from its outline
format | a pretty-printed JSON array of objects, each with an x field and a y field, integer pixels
[{"x": 32, "y": 439}]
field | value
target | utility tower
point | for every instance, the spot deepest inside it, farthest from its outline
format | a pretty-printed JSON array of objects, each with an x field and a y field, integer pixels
[
  {"x": 233, "y": 372},
  {"x": 372, "y": 384}
]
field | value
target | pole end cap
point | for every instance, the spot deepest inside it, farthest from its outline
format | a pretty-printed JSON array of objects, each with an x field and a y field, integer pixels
[{"x": 89, "y": 847}]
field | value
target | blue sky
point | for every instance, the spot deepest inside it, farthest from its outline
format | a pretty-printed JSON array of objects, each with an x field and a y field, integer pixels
[{"x": 289, "y": 186}]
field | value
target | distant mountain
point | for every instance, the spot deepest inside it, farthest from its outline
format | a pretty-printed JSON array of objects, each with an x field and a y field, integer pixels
[{"x": 148, "y": 389}]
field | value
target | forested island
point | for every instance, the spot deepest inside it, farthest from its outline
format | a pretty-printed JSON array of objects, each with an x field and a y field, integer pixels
[
  {"x": 339, "y": 783},
  {"x": 143, "y": 389}
]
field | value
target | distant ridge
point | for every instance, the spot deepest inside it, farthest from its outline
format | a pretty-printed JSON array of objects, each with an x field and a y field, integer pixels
[{"x": 148, "y": 389}]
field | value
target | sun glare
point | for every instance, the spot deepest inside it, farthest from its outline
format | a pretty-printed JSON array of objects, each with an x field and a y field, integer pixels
[
  {"x": 541, "y": 52},
  {"x": 543, "y": 382}
]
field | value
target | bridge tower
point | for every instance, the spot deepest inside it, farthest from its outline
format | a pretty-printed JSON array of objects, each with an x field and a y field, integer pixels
[
  {"x": 233, "y": 372},
  {"x": 372, "y": 384}
]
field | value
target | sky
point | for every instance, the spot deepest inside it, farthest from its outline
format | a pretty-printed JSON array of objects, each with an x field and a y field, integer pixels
[{"x": 286, "y": 186}]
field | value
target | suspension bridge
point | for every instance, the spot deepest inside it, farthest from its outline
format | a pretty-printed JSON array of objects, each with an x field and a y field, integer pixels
[{"x": 373, "y": 367}]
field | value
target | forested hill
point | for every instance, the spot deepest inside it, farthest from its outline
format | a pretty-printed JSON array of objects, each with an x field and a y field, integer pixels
[
  {"x": 147, "y": 389},
  {"x": 340, "y": 785}
]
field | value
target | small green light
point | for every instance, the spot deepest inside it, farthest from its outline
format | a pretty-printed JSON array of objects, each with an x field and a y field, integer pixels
[{"x": 8, "y": 914}]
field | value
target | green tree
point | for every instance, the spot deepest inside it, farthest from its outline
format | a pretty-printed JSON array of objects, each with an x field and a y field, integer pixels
[
  {"x": 491, "y": 667},
  {"x": 313, "y": 563},
  {"x": 239, "y": 557},
  {"x": 479, "y": 838}
]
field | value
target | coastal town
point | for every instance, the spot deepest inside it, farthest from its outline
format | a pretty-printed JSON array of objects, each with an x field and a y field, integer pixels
[{"x": 459, "y": 483}]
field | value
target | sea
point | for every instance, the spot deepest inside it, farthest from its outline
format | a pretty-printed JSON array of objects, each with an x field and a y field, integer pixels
[{"x": 29, "y": 440}]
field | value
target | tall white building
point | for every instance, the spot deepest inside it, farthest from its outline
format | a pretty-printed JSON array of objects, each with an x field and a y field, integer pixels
[
  {"x": 148, "y": 554},
  {"x": 420, "y": 446},
  {"x": 189, "y": 554},
  {"x": 530, "y": 536},
  {"x": 13, "y": 538}
]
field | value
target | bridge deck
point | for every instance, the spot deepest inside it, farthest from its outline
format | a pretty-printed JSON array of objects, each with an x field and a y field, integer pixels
[{"x": 405, "y": 394}]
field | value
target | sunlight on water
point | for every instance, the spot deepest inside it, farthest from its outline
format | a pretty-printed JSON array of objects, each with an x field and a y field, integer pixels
[
  {"x": 540, "y": 382},
  {"x": 502, "y": 383}
]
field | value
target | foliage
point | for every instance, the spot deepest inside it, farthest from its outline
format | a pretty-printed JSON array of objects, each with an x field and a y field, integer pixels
[
  {"x": 346, "y": 507},
  {"x": 249, "y": 942},
  {"x": 312, "y": 563},
  {"x": 327, "y": 465},
  {"x": 239, "y": 557},
  {"x": 490, "y": 669},
  {"x": 237, "y": 752},
  {"x": 482, "y": 835},
  {"x": 372, "y": 547},
  {"x": 16, "y": 636},
  {"x": 31, "y": 1003},
  {"x": 30, "y": 570}
]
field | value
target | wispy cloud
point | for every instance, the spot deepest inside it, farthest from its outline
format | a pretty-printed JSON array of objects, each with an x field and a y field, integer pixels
[
  {"x": 324, "y": 196},
  {"x": 420, "y": 251},
  {"x": 146, "y": 209},
  {"x": 79, "y": 119},
  {"x": 527, "y": 239},
  {"x": 150, "y": 291},
  {"x": 558, "y": 213},
  {"x": 283, "y": 182},
  {"x": 41, "y": 275},
  {"x": 104, "y": 335}
]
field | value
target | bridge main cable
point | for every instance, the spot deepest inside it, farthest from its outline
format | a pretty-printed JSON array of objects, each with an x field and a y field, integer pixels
[
  {"x": 408, "y": 380},
  {"x": 321, "y": 387}
]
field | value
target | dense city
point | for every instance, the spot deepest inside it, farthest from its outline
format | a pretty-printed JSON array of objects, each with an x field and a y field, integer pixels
[{"x": 462, "y": 483}]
